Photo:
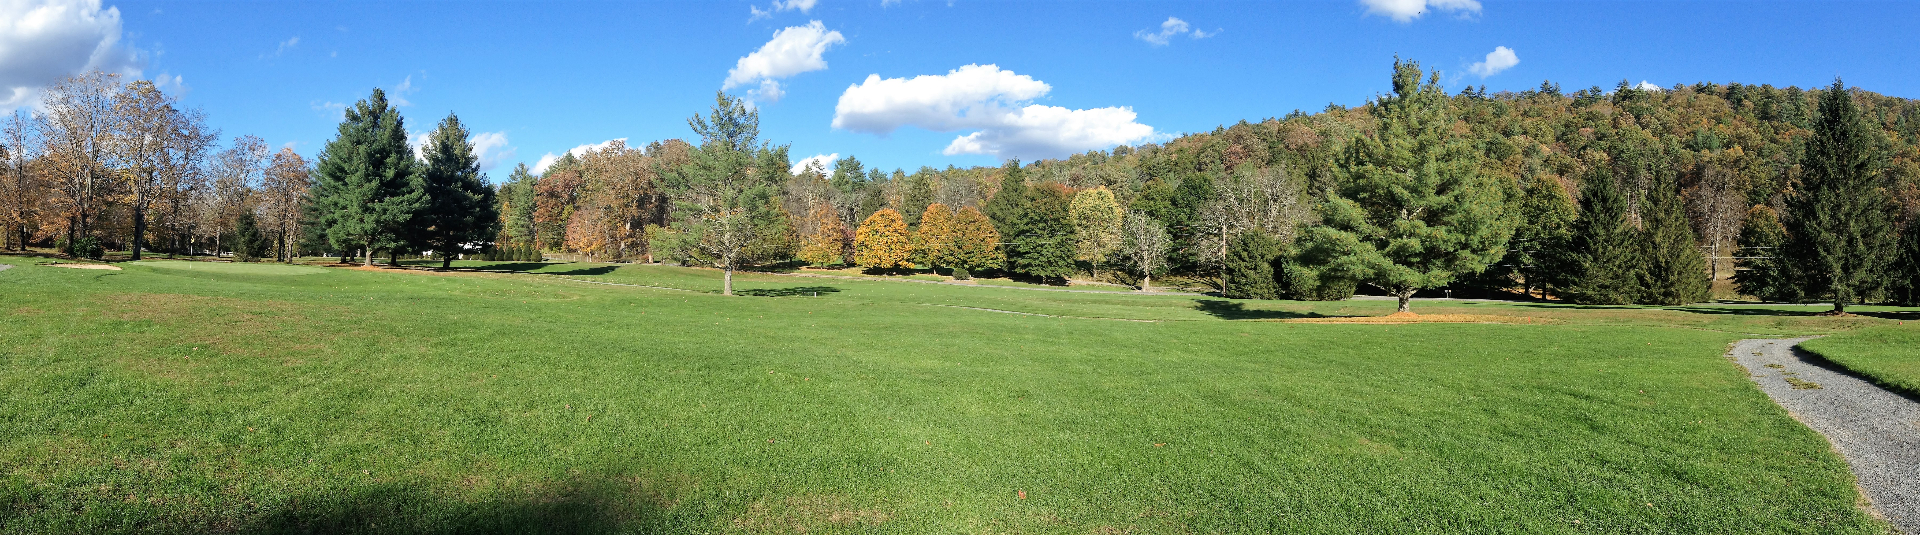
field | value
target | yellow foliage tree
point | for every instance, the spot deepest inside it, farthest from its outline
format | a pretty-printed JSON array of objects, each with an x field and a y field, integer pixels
[
  {"x": 882, "y": 241},
  {"x": 975, "y": 243},
  {"x": 933, "y": 242},
  {"x": 824, "y": 238}
]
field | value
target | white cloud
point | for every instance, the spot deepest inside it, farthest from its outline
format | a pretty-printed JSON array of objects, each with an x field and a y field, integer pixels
[
  {"x": 1648, "y": 86},
  {"x": 802, "y": 6},
  {"x": 824, "y": 161},
  {"x": 398, "y": 94},
  {"x": 284, "y": 46},
  {"x": 1406, "y": 10},
  {"x": 333, "y": 110},
  {"x": 1173, "y": 27},
  {"x": 991, "y": 101},
  {"x": 492, "y": 149},
  {"x": 548, "y": 159},
  {"x": 1500, "y": 59},
  {"x": 793, "y": 50},
  {"x": 42, "y": 41}
]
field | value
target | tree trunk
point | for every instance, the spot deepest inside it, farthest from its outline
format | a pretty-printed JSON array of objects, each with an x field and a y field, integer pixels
[
  {"x": 139, "y": 229},
  {"x": 1406, "y": 298},
  {"x": 368, "y": 251},
  {"x": 1839, "y": 304},
  {"x": 1146, "y": 283},
  {"x": 446, "y": 261},
  {"x": 726, "y": 281}
]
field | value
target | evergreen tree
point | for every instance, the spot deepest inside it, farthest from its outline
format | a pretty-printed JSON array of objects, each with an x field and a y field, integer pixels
[
  {"x": 1539, "y": 246},
  {"x": 461, "y": 212},
  {"x": 1840, "y": 236},
  {"x": 1673, "y": 271},
  {"x": 918, "y": 197},
  {"x": 1905, "y": 286},
  {"x": 1043, "y": 245},
  {"x": 1009, "y": 203},
  {"x": 725, "y": 197},
  {"x": 1603, "y": 260},
  {"x": 366, "y": 190},
  {"x": 1414, "y": 210},
  {"x": 517, "y": 203},
  {"x": 249, "y": 243},
  {"x": 1254, "y": 266},
  {"x": 882, "y": 241},
  {"x": 1766, "y": 274}
]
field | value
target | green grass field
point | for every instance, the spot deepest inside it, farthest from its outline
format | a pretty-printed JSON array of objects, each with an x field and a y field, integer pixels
[
  {"x": 1888, "y": 355},
  {"x": 254, "y": 398}
]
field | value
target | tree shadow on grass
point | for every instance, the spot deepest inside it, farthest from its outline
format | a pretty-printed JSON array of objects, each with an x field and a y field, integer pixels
[
  {"x": 796, "y": 291},
  {"x": 596, "y": 270},
  {"x": 1234, "y": 310},
  {"x": 513, "y": 267},
  {"x": 580, "y": 505}
]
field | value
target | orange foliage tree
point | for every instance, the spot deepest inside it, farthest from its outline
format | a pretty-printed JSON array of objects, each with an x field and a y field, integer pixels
[
  {"x": 974, "y": 243},
  {"x": 882, "y": 241},
  {"x": 822, "y": 237}
]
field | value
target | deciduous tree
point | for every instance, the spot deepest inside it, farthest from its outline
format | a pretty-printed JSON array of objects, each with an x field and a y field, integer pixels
[
  {"x": 1096, "y": 226},
  {"x": 1144, "y": 246},
  {"x": 882, "y": 241}
]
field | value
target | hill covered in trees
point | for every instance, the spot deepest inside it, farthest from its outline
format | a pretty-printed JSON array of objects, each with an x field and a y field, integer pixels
[{"x": 1628, "y": 195}]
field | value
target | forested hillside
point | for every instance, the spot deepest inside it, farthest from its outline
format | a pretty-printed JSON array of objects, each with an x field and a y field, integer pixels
[{"x": 1633, "y": 194}]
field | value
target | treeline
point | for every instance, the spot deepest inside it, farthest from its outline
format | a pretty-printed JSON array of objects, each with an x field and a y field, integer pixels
[
  {"x": 1634, "y": 195},
  {"x": 111, "y": 164}
]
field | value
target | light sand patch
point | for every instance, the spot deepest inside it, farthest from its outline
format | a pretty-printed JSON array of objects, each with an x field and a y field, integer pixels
[{"x": 85, "y": 266}]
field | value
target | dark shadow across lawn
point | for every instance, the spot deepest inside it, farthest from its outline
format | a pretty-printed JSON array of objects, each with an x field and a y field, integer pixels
[
  {"x": 1231, "y": 310},
  {"x": 811, "y": 291},
  {"x": 596, "y": 506}
]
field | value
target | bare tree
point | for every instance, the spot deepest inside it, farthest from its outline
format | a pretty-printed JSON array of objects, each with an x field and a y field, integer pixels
[
  {"x": 283, "y": 191},
  {"x": 156, "y": 144},
  {"x": 20, "y": 189},
  {"x": 236, "y": 171},
  {"x": 76, "y": 133},
  {"x": 1144, "y": 246},
  {"x": 1718, "y": 205},
  {"x": 1266, "y": 199}
]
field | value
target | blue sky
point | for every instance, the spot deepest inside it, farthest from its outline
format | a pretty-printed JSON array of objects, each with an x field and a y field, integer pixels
[{"x": 540, "y": 78}]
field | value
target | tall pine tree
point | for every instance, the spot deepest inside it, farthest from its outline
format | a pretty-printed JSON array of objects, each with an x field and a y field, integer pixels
[
  {"x": 366, "y": 190},
  {"x": 1414, "y": 210},
  {"x": 1840, "y": 235},
  {"x": 461, "y": 213},
  {"x": 1603, "y": 266},
  {"x": 1765, "y": 271},
  {"x": 1673, "y": 271}
]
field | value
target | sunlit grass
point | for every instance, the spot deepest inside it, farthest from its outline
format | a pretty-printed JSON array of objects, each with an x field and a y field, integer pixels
[{"x": 162, "y": 399}]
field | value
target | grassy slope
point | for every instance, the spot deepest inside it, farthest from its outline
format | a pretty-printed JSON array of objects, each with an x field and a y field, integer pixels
[
  {"x": 1888, "y": 354},
  {"x": 208, "y": 399}
]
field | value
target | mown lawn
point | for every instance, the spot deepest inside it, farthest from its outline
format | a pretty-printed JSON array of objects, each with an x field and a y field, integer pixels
[
  {"x": 174, "y": 397},
  {"x": 1888, "y": 354}
]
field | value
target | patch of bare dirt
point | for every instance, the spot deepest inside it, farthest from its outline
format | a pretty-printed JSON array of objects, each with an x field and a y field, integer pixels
[
  {"x": 802, "y": 514},
  {"x": 1400, "y": 318},
  {"x": 85, "y": 266}
]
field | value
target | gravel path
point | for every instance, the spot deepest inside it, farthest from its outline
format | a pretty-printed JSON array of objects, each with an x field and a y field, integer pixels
[{"x": 1877, "y": 431}]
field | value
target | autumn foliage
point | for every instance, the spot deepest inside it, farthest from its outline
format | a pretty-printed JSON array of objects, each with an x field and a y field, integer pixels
[{"x": 882, "y": 241}]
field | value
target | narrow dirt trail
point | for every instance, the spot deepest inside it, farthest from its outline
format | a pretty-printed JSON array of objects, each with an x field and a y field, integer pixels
[{"x": 1877, "y": 431}]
